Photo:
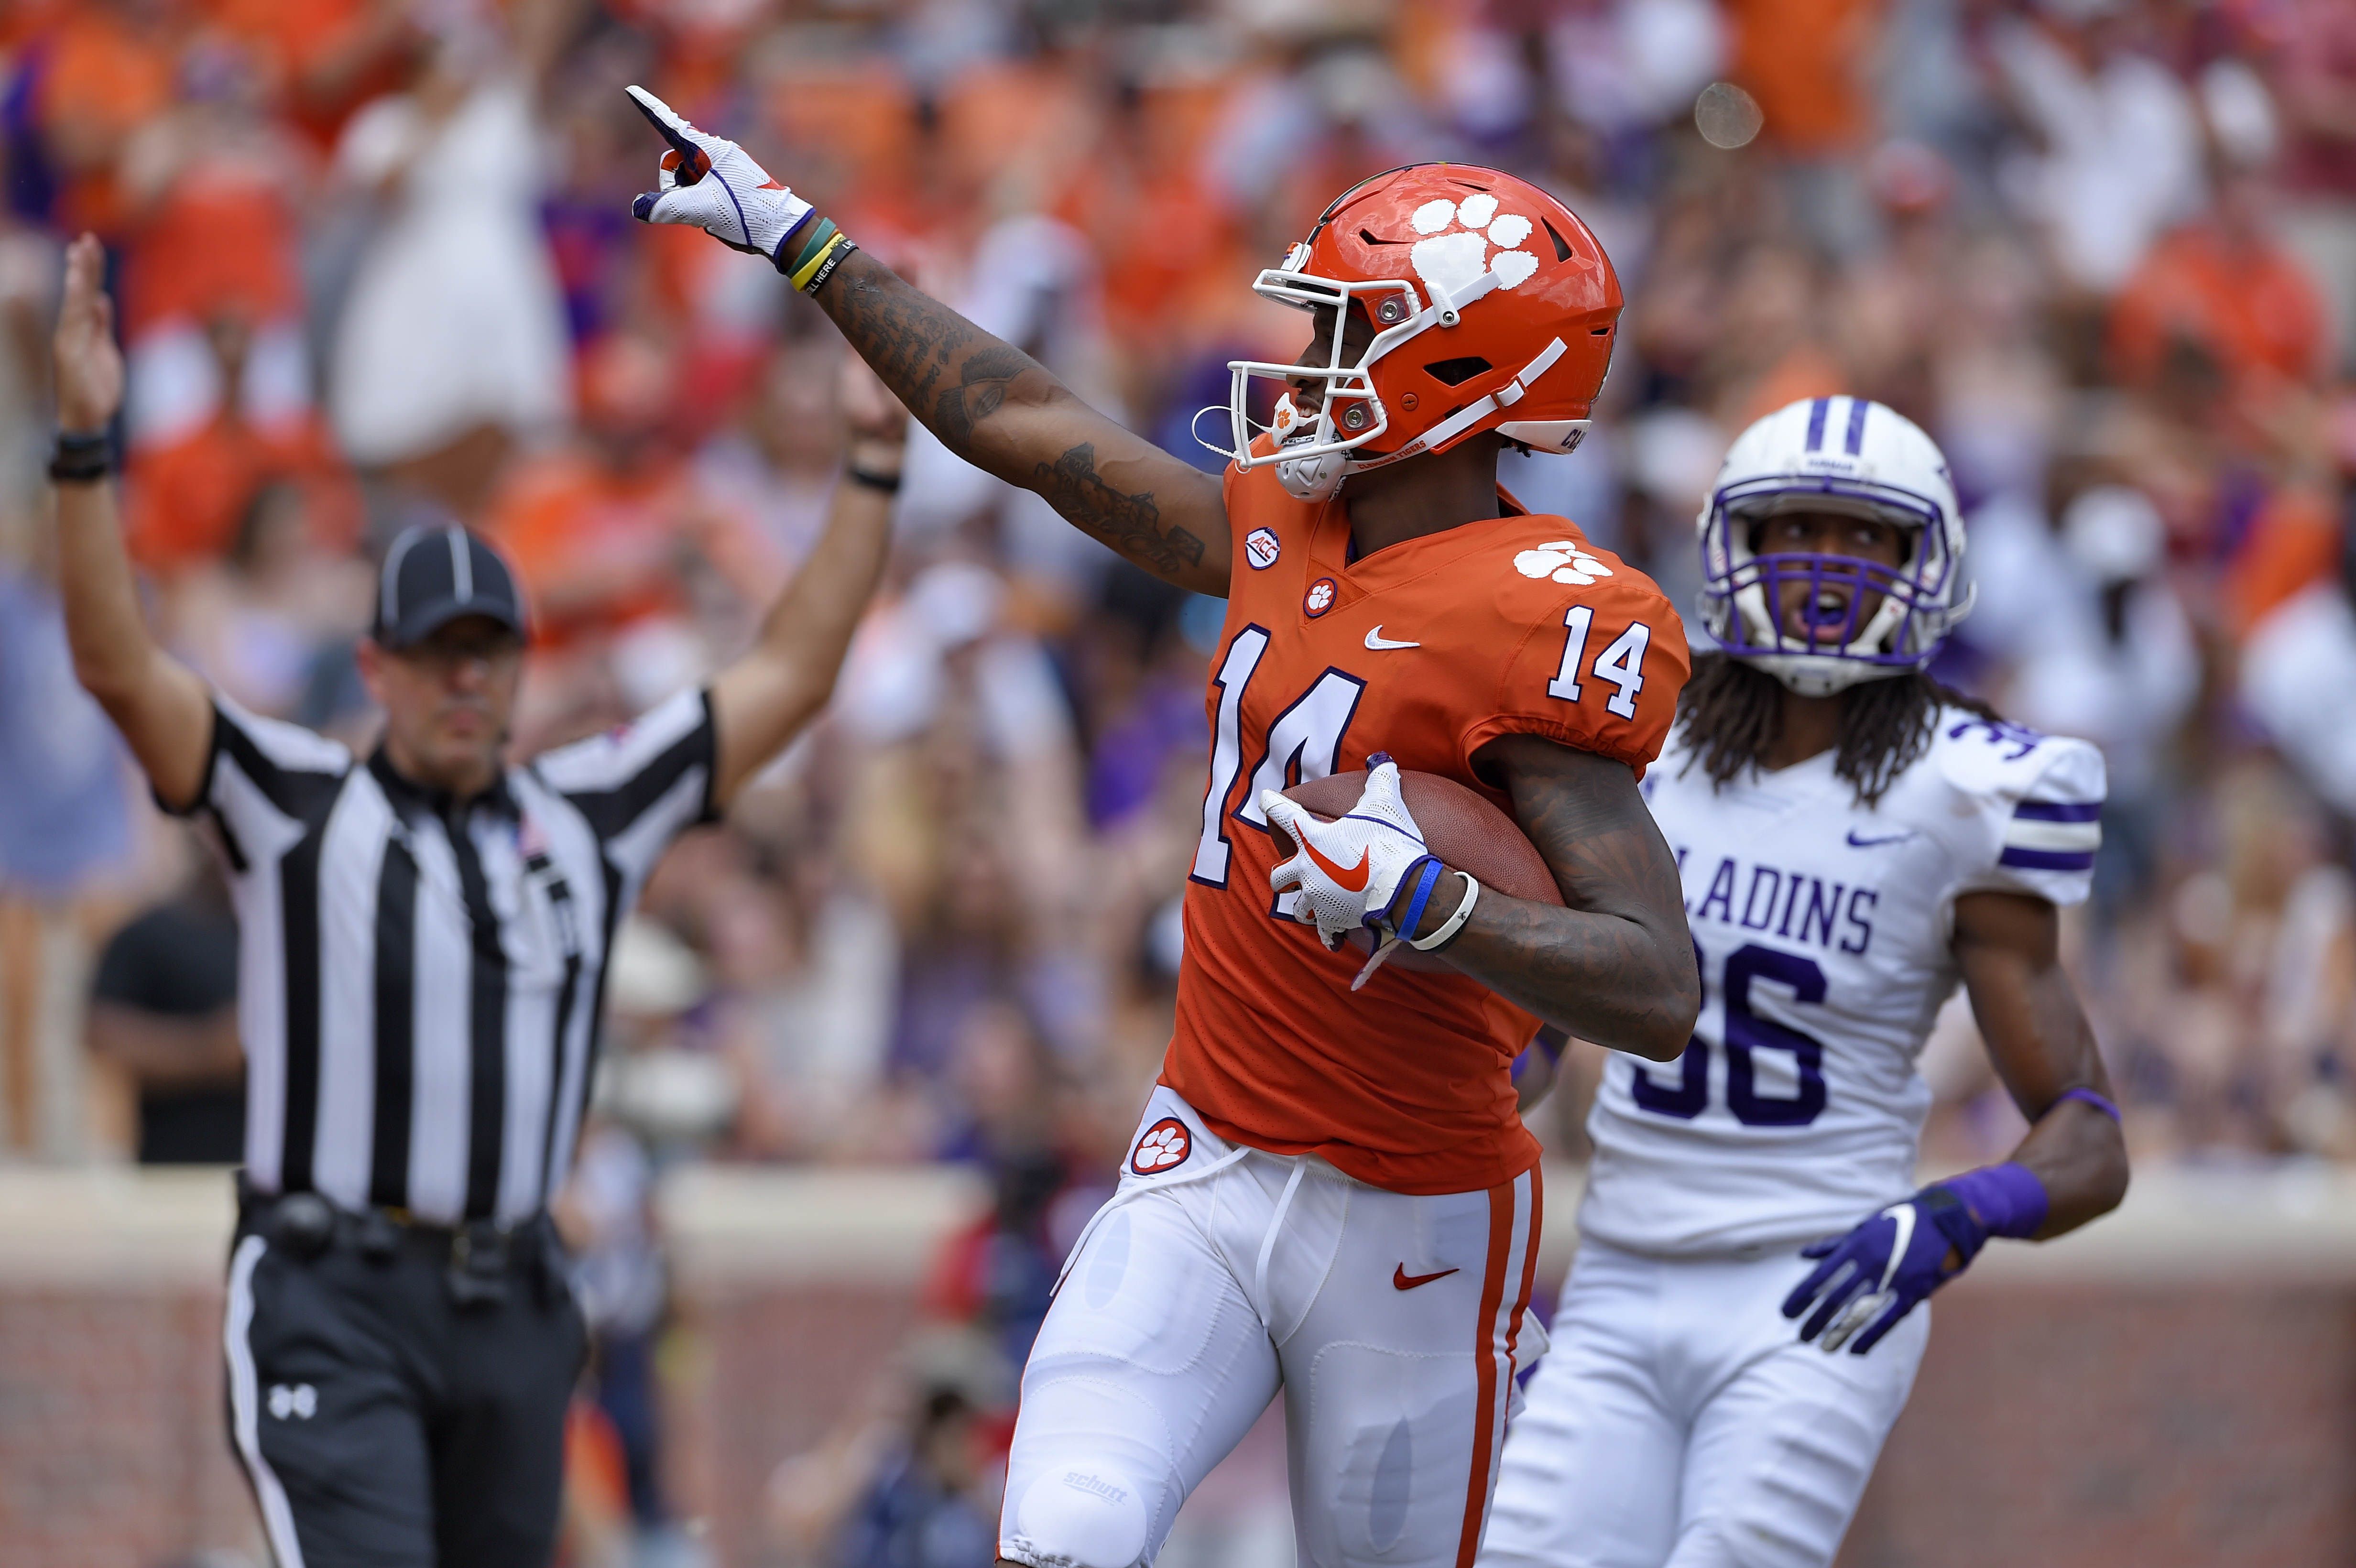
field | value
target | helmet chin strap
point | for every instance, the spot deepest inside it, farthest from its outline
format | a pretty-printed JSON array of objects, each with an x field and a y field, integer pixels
[
  {"x": 1311, "y": 478},
  {"x": 1314, "y": 477}
]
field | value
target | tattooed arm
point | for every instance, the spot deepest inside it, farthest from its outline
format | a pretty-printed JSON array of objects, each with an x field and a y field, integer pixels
[
  {"x": 1617, "y": 966},
  {"x": 1000, "y": 411}
]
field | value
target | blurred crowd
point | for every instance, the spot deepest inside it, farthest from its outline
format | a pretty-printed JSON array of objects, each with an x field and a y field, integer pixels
[{"x": 374, "y": 263}]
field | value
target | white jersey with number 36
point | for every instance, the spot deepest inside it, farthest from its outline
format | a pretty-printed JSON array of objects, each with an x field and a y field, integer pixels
[{"x": 1824, "y": 930}]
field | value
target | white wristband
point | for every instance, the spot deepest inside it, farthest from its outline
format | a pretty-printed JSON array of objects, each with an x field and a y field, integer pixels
[{"x": 1454, "y": 922}]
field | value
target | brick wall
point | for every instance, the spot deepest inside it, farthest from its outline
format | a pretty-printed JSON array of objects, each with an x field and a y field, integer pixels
[
  {"x": 776, "y": 1370},
  {"x": 2162, "y": 1425},
  {"x": 110, "y": 1446},
  {"x": 2175, "y": 1390}
]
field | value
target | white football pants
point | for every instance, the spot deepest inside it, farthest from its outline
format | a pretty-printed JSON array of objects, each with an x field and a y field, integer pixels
[
  {"x": 1217, "y": 1274},
  {"x": 1679, "y": 1422}
]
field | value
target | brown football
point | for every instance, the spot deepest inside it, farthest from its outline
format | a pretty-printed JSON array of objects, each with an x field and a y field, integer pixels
[{"x": 1459, "y": 826}]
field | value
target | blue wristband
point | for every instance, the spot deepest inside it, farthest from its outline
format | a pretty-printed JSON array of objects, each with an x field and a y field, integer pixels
[
  {"x": 1431, "y": 867},
  {"x": 2006, "y": 1199}
]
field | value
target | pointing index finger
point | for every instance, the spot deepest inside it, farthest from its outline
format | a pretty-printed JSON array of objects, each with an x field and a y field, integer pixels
[{"x": 673, "y": 129}]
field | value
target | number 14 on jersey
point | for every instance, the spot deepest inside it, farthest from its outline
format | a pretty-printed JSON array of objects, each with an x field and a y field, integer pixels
[
  {"x": 1621, "y": 665},
  {"x": 1303, "y": 739}
]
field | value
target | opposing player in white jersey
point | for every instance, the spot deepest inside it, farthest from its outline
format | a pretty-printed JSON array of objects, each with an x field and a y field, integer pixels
[{"x": 1853, "y": 839}]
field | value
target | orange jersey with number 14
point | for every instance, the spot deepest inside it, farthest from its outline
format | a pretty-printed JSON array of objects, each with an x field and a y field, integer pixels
[{"x": 1427, "y": 650}]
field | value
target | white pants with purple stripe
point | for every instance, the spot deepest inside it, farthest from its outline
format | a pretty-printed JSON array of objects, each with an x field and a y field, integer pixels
[
  {"x": 1679, "y": 1422},
  {"x": 1217, "y": 1277}
]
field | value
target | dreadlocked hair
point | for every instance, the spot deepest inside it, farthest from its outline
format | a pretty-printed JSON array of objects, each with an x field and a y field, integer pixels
[{"x": 1733, "y": 715}]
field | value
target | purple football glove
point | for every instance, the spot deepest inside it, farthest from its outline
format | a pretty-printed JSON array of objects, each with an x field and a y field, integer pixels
[{"x": 1874, "y": 1276}]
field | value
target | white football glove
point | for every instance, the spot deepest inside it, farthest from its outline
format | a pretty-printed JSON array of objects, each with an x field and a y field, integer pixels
[
  {"x": 713, "y": 184},
  {"x": 1351, "y": 871}
]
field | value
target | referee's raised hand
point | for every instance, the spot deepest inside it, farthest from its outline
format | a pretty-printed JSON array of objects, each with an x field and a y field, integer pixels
[
  {"x": 89, "y": 365},
  {"x": 162, "y": 708},
  {"x": 765, "y": 698}
]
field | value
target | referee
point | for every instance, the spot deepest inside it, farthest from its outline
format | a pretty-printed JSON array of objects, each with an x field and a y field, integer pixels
[{"x": 424, "y": 940}]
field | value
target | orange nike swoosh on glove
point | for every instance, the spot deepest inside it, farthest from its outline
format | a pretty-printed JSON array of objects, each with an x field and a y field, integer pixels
[{"x": 1341, "y": 878}]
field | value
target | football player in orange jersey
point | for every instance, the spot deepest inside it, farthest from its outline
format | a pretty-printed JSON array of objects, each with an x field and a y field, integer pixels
[{"x": 1329, "y": 1192}]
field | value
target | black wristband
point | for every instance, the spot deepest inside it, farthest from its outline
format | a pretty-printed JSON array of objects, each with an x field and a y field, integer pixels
[
  {"x": 887, "y": 483},
  {"x": 826, "y": 268},
  {"x": 82, "y": 456}
]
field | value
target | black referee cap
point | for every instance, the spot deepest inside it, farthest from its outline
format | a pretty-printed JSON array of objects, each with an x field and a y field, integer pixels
[{"x": 436, "y": 572}]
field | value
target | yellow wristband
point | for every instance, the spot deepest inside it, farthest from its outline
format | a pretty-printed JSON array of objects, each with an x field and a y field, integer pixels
[{"x": 816, "y": 267}]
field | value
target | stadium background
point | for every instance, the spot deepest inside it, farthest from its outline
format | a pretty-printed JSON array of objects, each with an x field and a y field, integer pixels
[{"x": 876, "y": 1044}]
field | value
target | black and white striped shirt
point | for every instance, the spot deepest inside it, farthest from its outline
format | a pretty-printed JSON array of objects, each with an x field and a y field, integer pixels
[{"x": 421, "y": 986}]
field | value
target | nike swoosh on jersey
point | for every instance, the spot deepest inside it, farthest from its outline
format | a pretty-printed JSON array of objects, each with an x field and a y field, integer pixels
[
  {"x": 1857, "y": 843},
  {"x": 1402, "y": 1280},
  {"x": 1341, "y": 876},
  {"x": 1377, "y": 641}
]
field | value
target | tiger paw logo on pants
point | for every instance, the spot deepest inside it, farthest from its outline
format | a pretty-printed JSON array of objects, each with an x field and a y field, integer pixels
[
  {"x": 1164, "y": 1144},
  {"x": 1455, "y": 261}
]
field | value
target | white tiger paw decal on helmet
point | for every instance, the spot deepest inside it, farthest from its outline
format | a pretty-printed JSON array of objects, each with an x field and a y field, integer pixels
[
  {"x": 1563, "y": 560},
  {"x": 1453, "y": 261}
]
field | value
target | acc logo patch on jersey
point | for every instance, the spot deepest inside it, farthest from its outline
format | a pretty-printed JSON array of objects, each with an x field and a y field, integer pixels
[
  {"x": 1319, "y": 597},
  {"x": 1563, "y": 560},
  {"x": 1165, "y": 1143},
  {"x": 1261, "y": 549}
]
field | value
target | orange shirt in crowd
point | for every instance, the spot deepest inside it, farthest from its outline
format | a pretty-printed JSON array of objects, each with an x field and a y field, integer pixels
[
  {"x": 1405, "y": 1085},
  {"x": 186, "y": 499},
  {"x": 1806, "y": 371},
  {"x": 101, "y": 79},
  {"x": 2252, "y": 306},
  {"x": 222, "y": 241},
  {"x": 26, "y": 20},
  {"x": 1804, "y": 61},
  {"x": 1160, "y": 237},
  {"x": 2292, "y": 542},
  {"x": 598, "y": 547}
]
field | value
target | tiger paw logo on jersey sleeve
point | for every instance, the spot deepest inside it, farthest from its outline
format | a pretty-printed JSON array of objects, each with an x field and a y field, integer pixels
[
  {"x": 1319, "y": 599},
  {"x": 1166, "y": 1144},
  {"x": 1563, "y": 560},
  {"x": 1458, "y": 251}
]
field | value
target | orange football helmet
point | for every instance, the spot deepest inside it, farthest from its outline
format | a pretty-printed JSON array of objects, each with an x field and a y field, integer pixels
[{"x": 1493, "y": 308}]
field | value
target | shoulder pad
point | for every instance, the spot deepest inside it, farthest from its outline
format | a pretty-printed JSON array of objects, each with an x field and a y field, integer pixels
[
  {"x": 1553, "y": 565},
  {"x": 2042, "y": 797}
]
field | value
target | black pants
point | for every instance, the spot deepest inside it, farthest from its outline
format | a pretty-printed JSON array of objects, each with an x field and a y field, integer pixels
[{"x": 383, "y": 1422}]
